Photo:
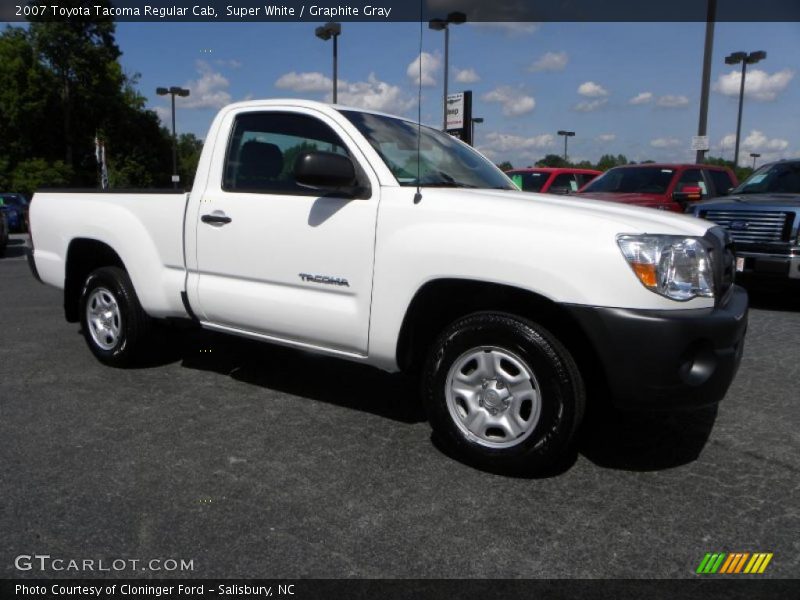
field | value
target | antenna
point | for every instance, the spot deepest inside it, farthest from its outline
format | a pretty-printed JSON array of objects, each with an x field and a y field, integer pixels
[{"x": 418, "y": 195}]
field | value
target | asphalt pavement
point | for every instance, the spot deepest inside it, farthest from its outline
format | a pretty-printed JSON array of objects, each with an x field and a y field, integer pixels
[{"x": 254, "y": 461}]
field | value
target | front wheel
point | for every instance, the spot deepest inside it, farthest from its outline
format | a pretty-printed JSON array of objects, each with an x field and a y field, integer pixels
[
  {"x": 503, "y": 393},
  {"x": 114, "y": 324}
]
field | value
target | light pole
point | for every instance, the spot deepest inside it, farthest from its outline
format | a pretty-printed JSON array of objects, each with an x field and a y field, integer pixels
[
  {"x": 475, "y": 120},
  {"x": 708, "y": 51},
  {"x": 746, "y": 59},
  {"x": 326, "y": 32},
  {"x": 754, "y": 156},
  {"x": 456, "y": 18},
  {"x": 183, "y": 93},
  {"x": 567, "y": 135}
]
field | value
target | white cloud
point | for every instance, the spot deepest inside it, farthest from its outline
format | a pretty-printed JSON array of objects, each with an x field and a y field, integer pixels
[
  {"x": 430, "y": 66},
  {"x": 550, "y": 61},
  {"x": 758, "y": 85},
  {"x": 670, "y": 101},
  {"x": 641, "y": 98},
  {"x": 504, "y": 142},
  {"x": 509, "y": 28},
  {"x": 467, "y": 76},
  {"x": 590, "y": 105},
  {"x": 514, "y": 101},
  {"x": 373, "y": 94},
  {"x": 304, "y": 82},
  {"x": 755, "y": 141},
  {"x": 590, "y": 89},
  {"x": 668, "y": 142},
  {"x": 516, "y": 148},
  {"x": 210, "y": 90},
  {"x": 606, "y": 137},
  {"x": 164, "y": 114},
  {"x": 231, "y": 63}
]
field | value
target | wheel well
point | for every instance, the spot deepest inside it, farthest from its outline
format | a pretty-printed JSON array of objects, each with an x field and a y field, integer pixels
[
  {"x": 439, "y": 303},
  {"x": 83, "y": 257}
]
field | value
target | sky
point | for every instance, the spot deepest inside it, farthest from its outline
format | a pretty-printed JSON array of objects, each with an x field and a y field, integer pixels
[{"x": 624, "y": 88}]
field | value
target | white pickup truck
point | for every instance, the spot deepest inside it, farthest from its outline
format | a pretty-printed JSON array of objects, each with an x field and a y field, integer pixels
[{"x": 367, "y": 237}]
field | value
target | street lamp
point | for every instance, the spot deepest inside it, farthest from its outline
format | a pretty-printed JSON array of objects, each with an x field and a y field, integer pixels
[
  {"x": 567, "y": 135},
  {"x": 183, "y": 93},
  {"x": 326, "y": 32},
  {"x": 746, "y": 59},
  {"x": 456, "y": 18},
  {"x": 475, "y": 120},
  {"x": 754, "y": 156}
]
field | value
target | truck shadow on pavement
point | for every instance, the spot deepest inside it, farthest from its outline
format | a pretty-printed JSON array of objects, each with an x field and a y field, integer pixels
[
  {"x": 607, "y": 438},
  {"x": 781, "y": 296},
  {"x": 300, "y": 373}
]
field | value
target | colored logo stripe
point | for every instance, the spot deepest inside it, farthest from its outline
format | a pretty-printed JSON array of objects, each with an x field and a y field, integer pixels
[
  {"x": 720, "y": 562},
  {"x": 711, "y": 562},
  {"x": 758, "y": 563}
]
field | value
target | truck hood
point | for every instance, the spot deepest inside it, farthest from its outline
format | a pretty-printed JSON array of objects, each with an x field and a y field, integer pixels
[{"x": 519, "y": 207}]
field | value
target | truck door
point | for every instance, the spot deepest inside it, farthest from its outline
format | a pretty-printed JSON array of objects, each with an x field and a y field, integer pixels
[{"x": 275, "y": 258}]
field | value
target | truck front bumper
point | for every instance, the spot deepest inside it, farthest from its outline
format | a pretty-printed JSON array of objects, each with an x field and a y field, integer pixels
[{"x": 666, "y": 359}]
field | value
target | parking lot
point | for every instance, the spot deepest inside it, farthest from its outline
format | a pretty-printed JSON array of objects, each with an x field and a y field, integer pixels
[{"x": 253, "y": 461}]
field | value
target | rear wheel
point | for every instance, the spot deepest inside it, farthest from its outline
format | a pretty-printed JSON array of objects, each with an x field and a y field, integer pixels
[
  {"x": 114, "y": 324},
  {"x": 503, "y": 393}
]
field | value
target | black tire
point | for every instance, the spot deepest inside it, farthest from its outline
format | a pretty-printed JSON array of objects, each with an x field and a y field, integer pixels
[
  {"x": 556, "y": 380},
  {"x": 128, "y": 345}
]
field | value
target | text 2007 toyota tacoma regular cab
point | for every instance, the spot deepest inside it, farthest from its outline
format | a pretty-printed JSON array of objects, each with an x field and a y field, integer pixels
[{"x": 306, "y": 227}]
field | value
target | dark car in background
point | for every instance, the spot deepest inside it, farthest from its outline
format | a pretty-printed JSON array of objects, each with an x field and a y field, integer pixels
[
  {"x": 3, "y": 233},
  {"x": 663, "y": 186},
  {"x": 552, "y": 180},
  {"x": 15, "y": 206},
  {"x": 762, "y": 216}
]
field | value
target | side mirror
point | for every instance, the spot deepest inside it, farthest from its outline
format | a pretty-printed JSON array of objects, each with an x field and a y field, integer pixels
[
  {"x": 688, "y": 194},
  {"x": 327, "y": 171}
]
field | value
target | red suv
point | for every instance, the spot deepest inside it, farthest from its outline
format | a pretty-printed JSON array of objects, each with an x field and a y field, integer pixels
[
  {"x": 666, "y": 187},
  {"x": 550, "y": 180}
]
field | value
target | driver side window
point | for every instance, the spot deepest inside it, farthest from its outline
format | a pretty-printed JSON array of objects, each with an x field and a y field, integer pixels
[{"x": 264, "y": 147}]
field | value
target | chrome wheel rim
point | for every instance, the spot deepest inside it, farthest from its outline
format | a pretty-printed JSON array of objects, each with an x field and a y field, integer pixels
[
  {"x": 103, "y": 318},
  {"x": 493, "y": 397}
]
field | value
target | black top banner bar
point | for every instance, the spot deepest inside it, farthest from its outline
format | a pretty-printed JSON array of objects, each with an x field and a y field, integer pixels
[{"x": 402, "y": 10}]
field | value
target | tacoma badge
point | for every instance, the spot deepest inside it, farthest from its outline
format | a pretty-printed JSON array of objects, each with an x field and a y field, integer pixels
[{"x": 325, "y": 279}]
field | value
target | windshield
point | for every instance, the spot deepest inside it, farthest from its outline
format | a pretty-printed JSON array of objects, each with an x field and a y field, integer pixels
[
  {"x": 529, "y": 181},
  {"x": 441, "y": 161},
  {"x": 777, "y": 178},
  {"x": 624, "y": 180}
]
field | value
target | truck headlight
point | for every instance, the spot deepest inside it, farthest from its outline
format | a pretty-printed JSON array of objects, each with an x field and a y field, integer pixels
[{"x": 672, "y": 266}]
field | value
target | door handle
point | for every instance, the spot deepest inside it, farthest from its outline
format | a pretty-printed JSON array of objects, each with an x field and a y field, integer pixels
[{"x": 216, "y": 219}]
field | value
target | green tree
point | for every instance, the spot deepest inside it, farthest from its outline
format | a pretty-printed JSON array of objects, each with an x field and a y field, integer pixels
[
  {"x": 552, "y": 160},
  {"x": 61, "y": 84},
  {"x": 32, "y": 174},
  {"x": 189, "y": 149},
  {"x": 82, "y": 55},
  {"x": 607, "y": 161},
  {"x": 505, "y": 166}
]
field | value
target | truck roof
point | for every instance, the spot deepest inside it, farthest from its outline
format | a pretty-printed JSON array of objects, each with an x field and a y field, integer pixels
[{"x": 300, "y": 103}]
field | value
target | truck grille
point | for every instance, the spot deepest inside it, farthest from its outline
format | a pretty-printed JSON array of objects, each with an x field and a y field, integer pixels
[{"x": 752, "y": 226}]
